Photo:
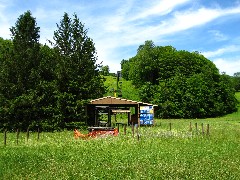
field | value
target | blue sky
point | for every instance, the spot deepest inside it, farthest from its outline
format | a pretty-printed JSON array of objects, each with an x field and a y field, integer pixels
[{"x": 118, "y": 27}]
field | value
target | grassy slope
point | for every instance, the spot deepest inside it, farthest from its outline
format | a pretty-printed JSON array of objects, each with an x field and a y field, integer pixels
[{"x": 128, "y": 90}]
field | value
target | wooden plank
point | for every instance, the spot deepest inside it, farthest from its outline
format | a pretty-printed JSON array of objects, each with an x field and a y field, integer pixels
[
  {"x": 101, "y": 128},
  {"x": 120, "y": 111}
]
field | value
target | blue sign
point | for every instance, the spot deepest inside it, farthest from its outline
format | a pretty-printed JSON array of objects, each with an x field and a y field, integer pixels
[{"x": 146, "y": 115}]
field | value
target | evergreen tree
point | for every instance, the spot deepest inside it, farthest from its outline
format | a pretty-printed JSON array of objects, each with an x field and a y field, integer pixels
[
  {"x": 77, "y": 72},
  {"x": 20, "y": 75},
  {"x": 25, "y": 37}
]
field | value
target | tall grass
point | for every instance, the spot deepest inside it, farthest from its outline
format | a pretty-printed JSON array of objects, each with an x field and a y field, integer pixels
[{"x": 158, "y": 153}]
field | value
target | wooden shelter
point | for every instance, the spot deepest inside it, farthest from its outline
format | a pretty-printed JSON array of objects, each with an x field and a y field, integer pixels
[{"x": 112, "y": 105}]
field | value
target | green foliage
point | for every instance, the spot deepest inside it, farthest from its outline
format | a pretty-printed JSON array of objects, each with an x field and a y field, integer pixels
[
  {"x": 183, "y": 84},
  {"x": 236, "y": 81},
  {"x": 25, "y": 37},
  {"x": 77, "y": 73},
  {"x": 47, "y": 87},
  {"x": 125, "y": 69},
  {"x": 237, "y": 94},
  {"x": 104, "y": 70},
  {"x": 19, "y": 76}
]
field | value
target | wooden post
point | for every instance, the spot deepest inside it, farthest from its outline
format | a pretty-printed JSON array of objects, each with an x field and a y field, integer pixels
[
  {"x": 129, "y": 117},
  {"x": 196, "y": 128},
  {"x": 208, "y": 129},
  {"x": 118, "y": 127},
  {"x": 170, "y": 126},
  {"x": 27, "y": 134},
  {"x": 137, "y": 133},
  {"x": 202, "y": 129},
  {"x": 132, "y": 129},
  {"x": 125, "y": 129},
  {"x": 17, "y": 135},
  {"x": 109, "y": 117},
  {"x": 5, "y": 137},
  {"x": 38, "y": 133},
  {"x": 190, "y": 126}
]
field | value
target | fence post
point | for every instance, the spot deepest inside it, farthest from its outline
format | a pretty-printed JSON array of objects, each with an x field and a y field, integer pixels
[
  {"x": 27, "y": 134},
  {"x": 202, "y": 129},
  {"x": 170, "y": 126},
  {"x": 190, "y": 126},
  {"x": 137, "y": 133},
  {"x": 132, "y": 129},
  {"x": 196, "y": 128},
  {"x": 5, "y": 137},
  {"x": 118, "y": 127},
  {"x": 38, "y": 133},
  {"x": 207, "y": 129},
  {"x": 17, "y": 135}
]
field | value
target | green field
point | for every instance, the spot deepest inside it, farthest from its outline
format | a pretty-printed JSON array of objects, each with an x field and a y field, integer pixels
[{"x": 158, "y": 153}]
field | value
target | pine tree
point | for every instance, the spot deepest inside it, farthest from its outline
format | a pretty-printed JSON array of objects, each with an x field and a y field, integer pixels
[{"x": 77, "y": 72}]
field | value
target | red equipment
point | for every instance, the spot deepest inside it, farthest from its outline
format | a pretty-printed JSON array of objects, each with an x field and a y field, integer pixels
[{"x": 96, "y": 132}]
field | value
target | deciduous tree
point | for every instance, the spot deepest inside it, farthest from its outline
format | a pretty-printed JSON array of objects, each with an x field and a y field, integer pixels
[{"x": 183, "y": 84}]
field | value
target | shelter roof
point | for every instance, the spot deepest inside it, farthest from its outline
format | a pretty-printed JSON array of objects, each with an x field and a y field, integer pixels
[{"x": 109, "y": 100}]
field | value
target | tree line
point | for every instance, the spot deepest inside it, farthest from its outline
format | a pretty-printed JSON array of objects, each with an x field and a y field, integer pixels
[
  {"x": 47, "y": 87},
  {"x": 182, "y": 84}
]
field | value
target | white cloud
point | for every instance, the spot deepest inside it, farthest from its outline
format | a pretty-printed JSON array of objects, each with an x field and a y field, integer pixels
[
  {"x": 129, "y": 33},
  {"x": 158, "y": 8},
  {"x": 221, "y": 51},
  {"x": 125, "y": 31},
  {"x": 192, "y": 18},
  {"x": 230, "y": 66},
  {"x": 116, "y": 24},
  {"x": 4, "y": 30},
  {"x": 217, "y": 35}
]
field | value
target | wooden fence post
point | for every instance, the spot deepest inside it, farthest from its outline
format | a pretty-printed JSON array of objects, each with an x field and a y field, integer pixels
[
  {"x": 118, "y": 127},
  {"x": 17, "y": 135},
  {"x": 38, "y": 134},
  {"x": 5, "y": 137},
  {"x": 132, "y": 129},
  {"x": 207, "y": 129},
  {"x": 170, "y": 126},
  {"x": 190, "y": 126},
  {"x": 137, "y": 133},
  {"x": 202, "y": 129},
  {"x": 196, "y": 128},
  {"x": 27, "y": 134}
]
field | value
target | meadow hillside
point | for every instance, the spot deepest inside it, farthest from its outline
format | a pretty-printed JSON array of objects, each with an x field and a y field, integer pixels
[{"x": 128, "y": 90}]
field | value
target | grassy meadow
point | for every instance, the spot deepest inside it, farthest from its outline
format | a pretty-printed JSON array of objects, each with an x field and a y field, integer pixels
[{"x": 158, "y": 153}]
